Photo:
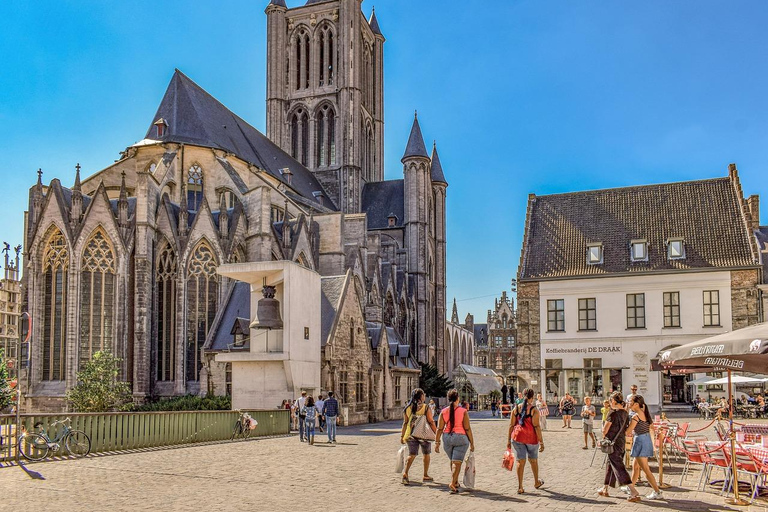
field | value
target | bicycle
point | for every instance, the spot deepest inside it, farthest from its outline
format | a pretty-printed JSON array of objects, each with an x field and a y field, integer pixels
[
  {"x": 243, "y": 426},
  {"x": 34, "y": 446}
]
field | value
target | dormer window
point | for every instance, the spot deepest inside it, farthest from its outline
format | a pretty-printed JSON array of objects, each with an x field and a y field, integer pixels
[
  {"x": 161, "y": 126},
  {"x": 595, "y": 254},
  {"x": 639, "y": 250},
  {"x": 391, "y": 220},
  {"x": 676, "y": 249},
  {"x": 240, "y": 332}
]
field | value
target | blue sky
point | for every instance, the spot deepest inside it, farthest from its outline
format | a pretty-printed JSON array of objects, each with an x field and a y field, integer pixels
[{"x": 523, "y": 97}]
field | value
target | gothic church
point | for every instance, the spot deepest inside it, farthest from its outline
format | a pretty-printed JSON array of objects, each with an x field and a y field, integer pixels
[{"x": 126, "y": 259}]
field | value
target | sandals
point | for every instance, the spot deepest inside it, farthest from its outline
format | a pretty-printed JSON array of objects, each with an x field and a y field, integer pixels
[
  {"x": 521, "y": 491},
  {"x": 427, "y": 479},
  {"x": 453, "y": 489},
  {"x": 634, "y": 499},
  {"x": 538, "y": 485},
  {"x": 603, "y": 493},
  {"x": 405, "y": 480}
]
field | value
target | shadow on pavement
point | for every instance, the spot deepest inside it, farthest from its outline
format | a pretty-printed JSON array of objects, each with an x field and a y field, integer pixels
[{"x": 34, "y": 475}]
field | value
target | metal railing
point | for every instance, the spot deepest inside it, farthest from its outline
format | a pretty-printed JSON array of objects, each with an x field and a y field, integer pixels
[{"x": 121, "y": 431}]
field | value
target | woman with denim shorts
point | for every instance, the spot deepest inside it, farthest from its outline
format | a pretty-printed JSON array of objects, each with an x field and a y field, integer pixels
[
  {"x": 642, "y": 445},
  {"x": 454, "y": 432},
  {"x": 525, "y": 437}
]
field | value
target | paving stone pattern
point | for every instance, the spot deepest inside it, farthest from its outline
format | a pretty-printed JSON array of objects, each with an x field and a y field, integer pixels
[{"x": 356, "y": 474}]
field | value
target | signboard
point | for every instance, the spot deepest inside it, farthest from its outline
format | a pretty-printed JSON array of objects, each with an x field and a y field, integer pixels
[{"x": 640, "y": 371}]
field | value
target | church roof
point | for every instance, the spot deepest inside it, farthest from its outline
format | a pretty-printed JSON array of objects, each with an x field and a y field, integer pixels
[
  {"x": 437, "y": 168},
  {"x": 705, "y": 214},
  {"x": 196, "y": 117},
  {"x": 374, "y": 23},
  {"x": 236, "y": 306},
  {"x": 331, "y": 289},
  {"x": 380, "y": 199},
  {"x": 415, "y": 145},
  {"x": 280, "y": 3}
]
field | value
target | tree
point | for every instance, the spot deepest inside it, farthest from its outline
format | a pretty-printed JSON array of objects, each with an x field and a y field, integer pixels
[
  {"x": 98, "y": 389},
  {"x": 433, "y": 382},
  {"x": 6, "y": 392}
]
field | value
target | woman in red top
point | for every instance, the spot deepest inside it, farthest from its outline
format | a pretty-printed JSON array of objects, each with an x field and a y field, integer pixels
[
  {"x": 525, "y": 437},
  {"x": 454, "y": 431}
]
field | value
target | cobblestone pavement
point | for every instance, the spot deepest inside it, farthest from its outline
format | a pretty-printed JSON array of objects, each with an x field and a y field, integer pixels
[{"x": 356, "y": 474}]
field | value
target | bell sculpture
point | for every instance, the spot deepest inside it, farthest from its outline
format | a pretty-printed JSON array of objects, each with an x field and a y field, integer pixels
[{"x": 267, "y": 311}]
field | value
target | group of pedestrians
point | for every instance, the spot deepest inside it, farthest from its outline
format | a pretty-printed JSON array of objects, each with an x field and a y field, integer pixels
[{"x": 308, "y": 414}]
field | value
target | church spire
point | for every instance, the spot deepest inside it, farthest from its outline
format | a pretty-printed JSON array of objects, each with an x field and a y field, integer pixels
[
  {"x": 437, "y": 168},
  {"x": 455, "y": 313},
  {"x": 415, "y": 147},
  {"x": 76, "y": 186},
  {"x": 374, "y": 23},
  {"x": 37, "y": 197},
  {"x": 76, "y": 207}
]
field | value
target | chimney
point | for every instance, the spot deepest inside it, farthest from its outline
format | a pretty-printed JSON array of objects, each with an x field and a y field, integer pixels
[
  {"x": 753, "y": 203},
  {"x": 287, "y": 174},
  {"x": 319, "y": 195}
]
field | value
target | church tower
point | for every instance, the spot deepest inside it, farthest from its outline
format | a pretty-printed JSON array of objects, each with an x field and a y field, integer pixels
[{"x": 325, "y": 93}]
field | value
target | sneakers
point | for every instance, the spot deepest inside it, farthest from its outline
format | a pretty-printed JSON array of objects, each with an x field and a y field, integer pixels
[
  {"x": 655, "y": 496},
  {"x": 624, "y": 489}
]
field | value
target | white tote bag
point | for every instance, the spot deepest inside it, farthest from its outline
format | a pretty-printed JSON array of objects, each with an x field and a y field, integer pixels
[
  {"x": 469, "y": 472},
  {"x": 402, "y": 454}
]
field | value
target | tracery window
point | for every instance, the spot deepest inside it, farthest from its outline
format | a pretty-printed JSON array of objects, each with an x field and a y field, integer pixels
[
  {"x": 368, "y": 154},
  {"x": 325, "y": 124},
  {"x": 326, "y": 51},
  {"x": 194, "y": 188},
  {"x": 202, "y": 293},
  {"x": 97, "y": 296},
  {"x": 55, "y": 266},
  {"x": 303, "y": 58},
  {"x": 165, "y": 295},
  {"x": 300, "y": 137}
]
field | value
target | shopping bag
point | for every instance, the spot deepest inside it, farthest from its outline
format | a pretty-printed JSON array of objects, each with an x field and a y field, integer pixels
[
  {"x": 402, "y": 454},
  {"x": 469, "y": 472},
  {"x": 253, "y": 424},
  {"x": 508, "y": 462}
]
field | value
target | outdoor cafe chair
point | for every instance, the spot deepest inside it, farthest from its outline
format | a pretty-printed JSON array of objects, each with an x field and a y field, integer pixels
[
  {"x": 722, "y": 460},
  {"x": 753, "y": 466},
  {"x": 692, "y": 458}
]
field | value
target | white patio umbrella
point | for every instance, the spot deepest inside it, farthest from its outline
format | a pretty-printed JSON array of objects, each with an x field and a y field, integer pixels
[
  {"x": 736, "y": 379},
  {"x": 701, "y": 381}
]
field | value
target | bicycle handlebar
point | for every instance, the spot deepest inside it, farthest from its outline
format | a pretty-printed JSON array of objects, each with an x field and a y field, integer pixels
[{"x": 57, "y": 422}]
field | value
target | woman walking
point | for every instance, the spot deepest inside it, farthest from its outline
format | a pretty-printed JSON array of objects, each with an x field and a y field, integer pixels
[
  {"x": 310, "y": 416},
  {"x": 541, "y": 406},
  {"x": 525, "y": 437},
  {"x": 567, "y": 407},
  {"x": 412, "y": 413},
  {"x": 455, "y": 433},
  {"x": 642, "y": 443},
  {"x": 613, "y": 430}
]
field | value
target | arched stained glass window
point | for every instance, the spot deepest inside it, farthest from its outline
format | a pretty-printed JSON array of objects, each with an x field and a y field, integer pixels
[
  {"x": 165, "y": 294},
  {"x": 97, "y": 296},
  {"x": 55, "y": 266},
  {"x": 325, "y": 139},
  {"x": 194, "y": 188},
  {"x": 300, "y": 136},
  {"x": 202, "y": 297}
]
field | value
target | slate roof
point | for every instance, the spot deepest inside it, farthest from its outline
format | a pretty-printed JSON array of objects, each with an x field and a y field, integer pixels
[
  {"x": 707, "y": 214},
  {"x": 196, "y": 117},
  {"x": 437, "y": 167},
  {"x": 373, "y": 22},
  {"x": 382, "y": 198},
  {"x": 399, "y": 352},
  {"x": 280, "y": 3},
  {"x": 415, "y": 145},
  {"x": 236, "y": 306},
  {"x": 374, "y": 333},
  {"x": 481, "y": 334},
  {"x": 330, "y": 298}
]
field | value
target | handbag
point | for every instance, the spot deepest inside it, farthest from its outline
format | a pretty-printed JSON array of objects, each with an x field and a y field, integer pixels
[
  {"x": 508, "y": 462},
  {"x": 420, "y": 428},
  {"x": 606, "y": 445}
]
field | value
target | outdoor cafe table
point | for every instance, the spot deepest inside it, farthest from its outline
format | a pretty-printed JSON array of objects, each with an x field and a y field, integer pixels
[{"x": 758, "y": 452}]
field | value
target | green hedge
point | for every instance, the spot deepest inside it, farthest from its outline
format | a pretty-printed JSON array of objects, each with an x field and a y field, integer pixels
[{"x": 188, "y": 403}]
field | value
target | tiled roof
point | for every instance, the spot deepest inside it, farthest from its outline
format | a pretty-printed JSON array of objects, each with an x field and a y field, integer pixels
[
  {"x": 380, "y": 200},
  {"x": 706, "y": 214},
  {"x": 415, "y": 145},
  {"x": 237, "y": 306},
  {"x": 195, "y": 117}
]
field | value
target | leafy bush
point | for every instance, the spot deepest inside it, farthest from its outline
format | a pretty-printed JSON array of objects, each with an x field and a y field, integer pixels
[
  {"x": 98, "y": 389},
  {"x": 188, "y": 403},
  {"x": 6, "y": 393}
]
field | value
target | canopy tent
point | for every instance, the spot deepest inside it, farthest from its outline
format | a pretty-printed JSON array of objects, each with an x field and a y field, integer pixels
[
  {"x": 740, "y": 350},
  {"x": 736, "y": 379},
  {"x": 474, "y": 382}
]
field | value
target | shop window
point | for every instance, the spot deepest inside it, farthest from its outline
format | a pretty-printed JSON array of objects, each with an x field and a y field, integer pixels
[
  {"x": 711, "y": 308},
  {"x": 553, "y": 367},
  {"x": 593, "y": 377},
  {"x": 587, "y": 315},
  {"x": 635, "y": 311},
  {"x": 556, "y": 315},
  {"x": 671, "y": 309}
]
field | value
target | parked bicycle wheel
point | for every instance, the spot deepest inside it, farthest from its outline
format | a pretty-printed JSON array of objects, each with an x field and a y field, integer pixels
[
  {"x": 247, "y": 431},
  {"x": 78, "y": 443},
  {"x": 238, "y": 429},
  {"x": 33, "y": 447}
]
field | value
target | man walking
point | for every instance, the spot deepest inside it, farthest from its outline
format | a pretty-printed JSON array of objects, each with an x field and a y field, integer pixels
[
  {"x": 319, "y": 406},
  {"x": 302, "y": 415},
  {"x": 331, "y": 413}
]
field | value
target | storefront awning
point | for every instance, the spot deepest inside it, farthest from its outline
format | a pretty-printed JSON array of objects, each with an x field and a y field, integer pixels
[{"x": 483, "y": 384}]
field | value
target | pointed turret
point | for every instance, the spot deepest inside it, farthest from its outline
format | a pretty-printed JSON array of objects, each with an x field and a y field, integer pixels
[
  {"x": 437, "y": 168},
  {"x": 37, "y": 197},
  {"x": 278, "y": 3},
  {"x": 76, "y": 208},
  {"x": 374, "y": 23},
  {"x": 183, "y": 212},
  {"x": 122, "y": 204},
  {"x": 455, "y": 313},
  {"x": 415, "y": 147}
]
